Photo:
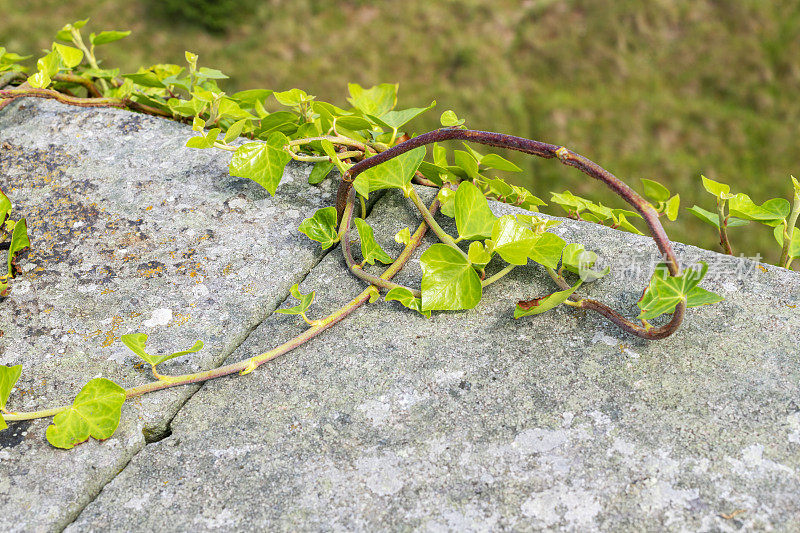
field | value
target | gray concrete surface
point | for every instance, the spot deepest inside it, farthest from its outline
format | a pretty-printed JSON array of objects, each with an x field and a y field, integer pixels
[
  {"x": 130, "y": 232},
  {"x": 467, "y": 421}
]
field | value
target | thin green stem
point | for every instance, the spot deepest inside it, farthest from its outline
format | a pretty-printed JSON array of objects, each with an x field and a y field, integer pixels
[
  {"x": 88, "y": 54},
  {"x": 315, "y": 158},
  {"x": 723, "y": 227},
  {"x": 492, "y": 279},
  {"x": 222, "y": 146},
  {"x": 337, "y": 139},
  {"x": 435, "y": 227}
]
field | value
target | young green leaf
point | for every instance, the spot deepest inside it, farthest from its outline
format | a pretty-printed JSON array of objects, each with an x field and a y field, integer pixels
[
  {"x": 448, "y": 280},
  {"x": 262, "y": 162},
  {"x": 467, "y": 163},
  {"x": 713, "y": 218},
  {"x": 204, "y": 141},
  {"x": 580, "y": 261},
  {"x": 720, "y": 190},
  {"x": 292, "y": 97},
  {"x": 321, "y": 227},
  {"x": 137, "y": 341},
  {"x": 450, "y": 120},
  {"x": 234, "y": 130},
  {"x": 94, "y": 413},
  {"x": 105, "y": 37},
  {"x": 320, "y": 172},
  {"x": 547, "y": 250},
  {"x": 513, "y": 240},
  {"x": 395, "y": 173},
  {"x": 403, "y": 236},
  {"x": 499, "y": 163},
  {"x": 478, "y": 255},
  {"x": 370, "y": 249},
  {"x": 376, "y": 100},
  {"x": 70, "y": 56},
  {"x": 541, "y": 305},
  {"x": 665, "y": 292},
  {"x": 794, "y": 246},
  {"x": 771, "y": 212},
  {"x": 474, "y": 219},
  {"x": 305, "y": 302},
  {"x": 8, "y": 378},
  {"x": 406, "y": 298},
  {"x": 397, "y": 119},
  {"x": 329, "y": 150},
  {"x": 5, "y": 208},
  {"x": 655, "y": 191},
  {"x": 671, "y": 207},
  {"x": 19, "y": 241}
]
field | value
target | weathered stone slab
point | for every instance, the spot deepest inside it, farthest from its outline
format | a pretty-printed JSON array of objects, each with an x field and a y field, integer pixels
[
  {"x": 131, "y": 232},
  {"x": 473, "y": 421}
]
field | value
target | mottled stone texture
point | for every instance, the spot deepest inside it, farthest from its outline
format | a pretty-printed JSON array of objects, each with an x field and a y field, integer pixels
[
  {"x": 130, "y": 232},
  {"x": 467, "y": 421}
]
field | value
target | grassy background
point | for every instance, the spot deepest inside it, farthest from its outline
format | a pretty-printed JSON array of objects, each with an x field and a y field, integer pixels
[{"x": 666, "y": 89}]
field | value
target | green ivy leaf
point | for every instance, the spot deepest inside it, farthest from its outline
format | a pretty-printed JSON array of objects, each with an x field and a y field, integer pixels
[
  {"x": 406, "y": 298},
  {"x": 204, "y": 141},
  {"x": 665, "y": 292},
  {"x": 376, "y": 100},
  {"x": 262, "y": 162},
  {"x": 137, "y": 341},
  {"x": 321, "y": 227},
  {"x": 19, "y": 241},
  {"x": 330, "y": 151},
  {"x": 499, "y": 163},
  {"x": 5, "y": 208},
  {"x": 448, "y": 280},
  {"x": 251, "y": 97},
  {"x": 474, "y": 218},
  {"x": 466, "y": 162},
  {"x": 305, "y": 302},
  {"x": 541, "y": 305},
  {"x": 8, "y": 378},
  {"x": 720, "y": 190},
  {"x": 395, "y": 173},
  {"x": 394, "y": 120},
  {"x": 105, "y": 37},
  {"x": 513, "y": 240},
  {"x": 450, "y": 120},
  {"x": 352, "y": 122},
  {"x": 713, "y": 218},
  {"x": 234, "y": 130},
  {"x": 403, "y": 236},
  {"x": 292, "y": 97},
  {"x": 370, "y": 249},
  {"x": 94, "y": 413},
  {"x": 672, "y": 206},
  {"x": 320, "y": 172},
  {"x": 547, "y": 250},
  {"x": 655, "y": 191},
  {"x": 478, "y": 255},
  {"x": 70, "y": 56},
  {"x": 771, "y": 212},
  {"x": 580, "y": 261}
]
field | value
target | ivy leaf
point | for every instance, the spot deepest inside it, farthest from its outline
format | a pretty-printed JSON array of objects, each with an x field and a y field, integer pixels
[
  {"x": 467, "y": 163},
  {"x": 403, "y": 236},
  {"x": 446, "y": 196},
  {"x": 672, "y": 206},
  {"x": 395, "y": 173},
  {"x": 713, "y": 219},
  {"x": 370, "y": 249},
  {"x": 541, "y": 305},
  {"x": 136, "y": 342},
  {"x": 262, "y": 162},
  {"x": 320, "y": 172},
  {"x": 547, "y": 250},
  {"x": 204, "y": 141},
  {"x": 406, "y": 298},
  {"x": 5, "y": 207},
  {"x": 105, "y": 37},
  {"x": 234, "y": 130},
  {"x": 499, "y": 163},
  {"x": 330, "y": 151},
  {"x": 70, "y": 56},
  {"x": 513, "y": 240},
  {"x": 251, "y": 97},
  {"x": 376, "y": 100},
  {"x": 580, "y": 261},
  {"x": 655, "y": 191},
  {"x": 352, "y": 122},
  {"x": 8, "y": 378},
  {"x": 474, "y": 218},
  {"x": 94, "y": 413},
  {"x": 450, "y": 120},
  {"x": 771, "y": 212},
  {"x": 665, "y": 292},
  {"x": 305, "y": 302},
  {"x": 394, "y": 120},
  {"x": 721, "y": 190},
  {"x": 448, "y": 280},
  {"x": 19, "y": 241},
  {"x": 292, "y": 97},
  {"x": 321, "y": 227},
  {"x": 478, "y": 255}
]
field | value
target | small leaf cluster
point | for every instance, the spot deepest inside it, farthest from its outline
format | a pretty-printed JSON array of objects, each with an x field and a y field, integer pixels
[{"x": 18, "y": 233}]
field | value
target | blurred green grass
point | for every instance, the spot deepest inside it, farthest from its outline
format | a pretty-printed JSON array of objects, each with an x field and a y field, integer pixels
[{"x": 664, "y": 90}]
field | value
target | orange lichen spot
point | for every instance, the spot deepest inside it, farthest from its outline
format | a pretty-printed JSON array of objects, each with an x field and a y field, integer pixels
[
  {"x": 179, "y": 319},
  {"x": 763, "y": 268},
  {"x": 227, "y": 269},
  {"x": 148, "y": 208},
  {"x": 150, "y": 272},
  {"x": 108, "y": 291}
]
